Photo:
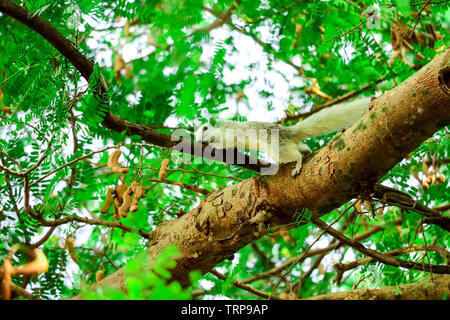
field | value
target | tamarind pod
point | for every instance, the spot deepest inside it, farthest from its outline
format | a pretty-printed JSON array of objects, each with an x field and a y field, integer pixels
[
  {"x": 358, "y": 206},
  {"x": 433, "y": 178},
  {"x": 134, "y": 185},
  {"x": 7, "y": 271},
  {"x": 125, "y": 207},
  {"x": 99, "y": 275},
  {"x": 120, "y": 190},
  {"x": 113, "y": 162},
  {"x": 38, "y": 265},
  {"x": 440, "y": 178},
  {"x": 116, "y": 209},
  {"x": 7, "y": 110},
  {"x": 113, "y": 159},
  {"x": 163, "y": 169},
  {"x": 70, "y": 244},
  {"x": 138, "y": 193},
  {"x": 108, "y": 201}
]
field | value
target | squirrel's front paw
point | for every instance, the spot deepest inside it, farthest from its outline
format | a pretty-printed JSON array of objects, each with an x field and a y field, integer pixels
[
  {"x": 295, "y": 171},
  {"x": 297, "y": 168}
]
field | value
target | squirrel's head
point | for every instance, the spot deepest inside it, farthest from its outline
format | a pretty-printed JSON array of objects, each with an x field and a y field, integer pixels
[{"x": 207, "y": 133}]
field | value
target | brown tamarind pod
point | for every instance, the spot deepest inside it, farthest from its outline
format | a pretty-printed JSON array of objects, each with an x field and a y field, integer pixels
[
  {"x": 433, "y": 178},
  {"x": 125, "y": 207},
  {"x": 108, "y": 201},
  {"x": 358, "y": 206},
  {"x": 120, "y": 190},
  {"x": 7, "y": 272},
  {"x": 163, "y": 169},
  {"x": 440, "y": 178},
  {"x": 70, "y": 244},
  {"x": 134, "y": 185},
  {"x": 99, "y": 275},
  {"x": 117, "y": 205},
  {"x": 38, "y": 265},
  {"x": 113, "y": 162},
  {"x": 138, "y": 193}
]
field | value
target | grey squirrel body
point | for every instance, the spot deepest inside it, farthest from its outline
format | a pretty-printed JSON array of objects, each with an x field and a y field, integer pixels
[{"x": 282, "y": 143}]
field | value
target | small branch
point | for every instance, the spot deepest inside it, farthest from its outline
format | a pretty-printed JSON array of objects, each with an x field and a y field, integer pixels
[
  {"x": 402, "y": 200},
  {"x": 341, "y": 268},
  {"x": 41, "y": 159},
  {"x": 182, "y": 185},
  {"x": 7, "y": 170},
  {"x": 344, "y": 34},
  {"x": 221, "y": 19},
  {"x": 298, "y": 259},
  {"x": 70, "y": 163},
  {"x": 99, "y": 222},
  {"x": 380, "y": 257},
  {"x": 246, "y": 287},
  {"x": 442, "y": 207}
]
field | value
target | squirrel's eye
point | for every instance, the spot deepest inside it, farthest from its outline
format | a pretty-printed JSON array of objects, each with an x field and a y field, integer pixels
[{"x": 205, "y": 128}]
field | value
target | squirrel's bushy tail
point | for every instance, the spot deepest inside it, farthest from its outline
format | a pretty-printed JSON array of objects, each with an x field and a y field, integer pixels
[{"x": 333, "y": 118}]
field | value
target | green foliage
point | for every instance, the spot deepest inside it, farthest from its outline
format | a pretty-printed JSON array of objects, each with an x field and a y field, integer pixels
[
  {"x": 146, "y": 280},
  {"x": 179, "y": 75}
]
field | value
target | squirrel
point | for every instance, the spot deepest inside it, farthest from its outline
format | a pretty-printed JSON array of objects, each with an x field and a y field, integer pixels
[{"x": 282, "y": 143}]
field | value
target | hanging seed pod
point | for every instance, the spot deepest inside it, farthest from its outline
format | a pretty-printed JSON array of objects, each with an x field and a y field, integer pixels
[
  {"x": 38, "y": 265},
  {"x": 70, "y": 245},
  {"x": 125, "y": 207},
  {"x": 163, "y": 169},
  {"x": 117, "y": 205},
  {"x": 108, "y": 201},
  {"x": 113, "y": 162},
  {"x": 138, "y": 193},
  {"x": 99, "y": 275},
  {"x": 120, "y": 190}
]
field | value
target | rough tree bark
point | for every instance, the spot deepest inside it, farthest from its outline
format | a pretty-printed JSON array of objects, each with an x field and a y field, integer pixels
[{"x": 229, "y": 219}]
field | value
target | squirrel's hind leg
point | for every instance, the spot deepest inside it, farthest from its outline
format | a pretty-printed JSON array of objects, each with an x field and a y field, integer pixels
[
  {"x": 298, "y": 165},
  {"x": 302, "y": 149},
  {"x": 291, "y": 153}
]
